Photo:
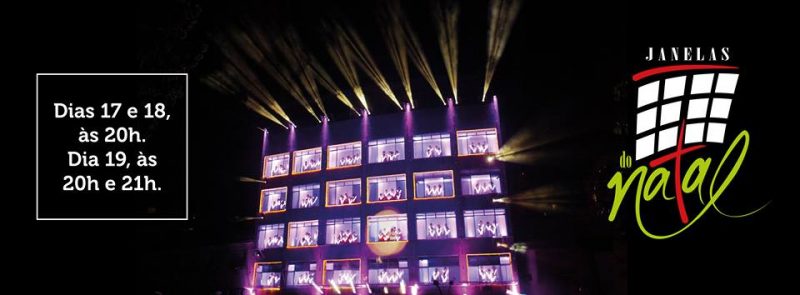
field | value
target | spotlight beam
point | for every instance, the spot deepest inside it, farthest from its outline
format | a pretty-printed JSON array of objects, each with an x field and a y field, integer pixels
[
  {"x": 446, "y": 19},
  {"x": 419, "y": 60},
  {"x": 289, "y": 44},
  {"x": 258, "y": 49},
  {"x": 396, "y": 44},
  {"x": 365, "y": 61},
  {"x": 343, "y": 59},
  {"x": 502, "y": 14}
]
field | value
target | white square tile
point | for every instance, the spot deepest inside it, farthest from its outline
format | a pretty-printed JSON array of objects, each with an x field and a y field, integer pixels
[
  {"x": 720, "y": 107},
  {"x": 674, "y": 87},
  {"x": 646, "y": 120},
  {"x": 667, "y": 138},
  {"x": 694, "y": 132},
  {"x": 716, "y": 132},
  {"x": 701, "y": 83},
  {"x": 648, "y": 94},
  {"x": 726, "y": 83},
  {"x": 645, "y": 146},
  {"x": 670, "y": 112},
  {"x": 697, "y": 108}
]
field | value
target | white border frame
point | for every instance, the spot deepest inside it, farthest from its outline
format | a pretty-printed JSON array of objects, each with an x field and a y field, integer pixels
[{"x": 186, "y": 75}]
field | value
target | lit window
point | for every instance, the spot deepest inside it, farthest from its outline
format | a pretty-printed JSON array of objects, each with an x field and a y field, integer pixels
[
  {"x": 300, "y": 274},
  {"x": 303, "y": 234},
  {"x": 270, "y": 236},
  {"x": 387, "y": 150},
  {"x": 480, "y": 184},
  {"x": 485, "y": 223},
  {"x": 273, "y": 200},
  {"x": 434, "y": 184},
  {"x": 276, "y": 165},
  {"x": 441, "y": 269},
  {"x": 343, "y": 231},
  {"x": 489, "y": 268},
  {"x": 343, "y": 272},
  {"x": 477, "y": 142},
  {"x": 343, "y": 192},
  {"x": 436, "y": 225},
  {"x": 306, "y": 161},
  {"x": 344, "y": 155},
  {"x": 267, "y": 275},
  {"x": 432, "y": 145},
  {"x": 387, "y": 228},
  {"x": 387, "y": 188},
  {"x": 387, "y": 271},
  {"x": 305, "y": 196}
]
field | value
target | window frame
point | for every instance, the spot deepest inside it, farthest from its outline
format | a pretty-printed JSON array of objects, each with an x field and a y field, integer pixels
[
  {"x": 446, "y": 216},
  {"x": 496, "y": 141},
  {"x": 301, "y": 186},
  {"x": 264, "y": 193},
  {"x": 510, "y": 267},
  {"x": 294, "y": 160},
  {"x": 327, "y": 192},
  {"x": 422, "y": 141},
  {"x": 269, "y": 158},
  {"x": 351, "y": 221},
  {"x": 289, "y": 234},
  {"x": 452, "y": 182},
  {"x": 256, "y": 272},
  {"x": 360, "y": 155},
  {"x": 325, "y": 271},
  {"x": 405, "y": 190},
  {"x": 404, "y": 215},
  {"x": 267, "y": 227},
  {"x": 385, "y": 141}
]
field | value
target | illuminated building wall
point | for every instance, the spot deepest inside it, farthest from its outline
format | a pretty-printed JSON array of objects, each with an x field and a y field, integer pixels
[{"x": 383, "y": 199}]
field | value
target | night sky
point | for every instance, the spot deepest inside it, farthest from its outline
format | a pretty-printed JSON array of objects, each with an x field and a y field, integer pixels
[{"x": 562, "y": 78}]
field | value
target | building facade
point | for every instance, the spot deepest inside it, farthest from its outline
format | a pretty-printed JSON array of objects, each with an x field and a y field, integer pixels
[{"x": 396, "y": 203}]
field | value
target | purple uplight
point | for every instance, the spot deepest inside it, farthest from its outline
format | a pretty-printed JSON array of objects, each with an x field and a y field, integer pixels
[
  {"x": 264, "y": 143},
  {"x": 451, "y": 115},
  {"x": 495, "y": 111},
  {"x": 324, "y": 135},
  {"x": 364, "y": 127},
  {"x": 292, "y": 137},
  {"x": 408, "y": 121}
]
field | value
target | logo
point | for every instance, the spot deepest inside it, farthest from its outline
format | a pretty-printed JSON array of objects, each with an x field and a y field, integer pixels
[{"x": 682, "y": 116}]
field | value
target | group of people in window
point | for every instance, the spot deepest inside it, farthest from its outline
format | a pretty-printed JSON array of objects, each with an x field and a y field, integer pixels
[
  {"x": 346, "y": 236},
  {"x": 347, "y": 198},
  {"x": 274, "y": 241},
  {"x": 388, "y": 156},
  {"x": 390, "y": 234},
  {"x": 312, "y": 164},
  {"x": 484, "y": 228},
  {"x": 390, "y": 276},
  {"x": 390, "y": 194},
  {"x": 277, "y": 204},
  {"x": 478, "y": 148},
  {"x": 270, "y": 279},
  {"x": 308, "y": 200},
  {"x": 307, "y": 239},
  {"x": 350, "y": 160},
  {"x": 488, "y": 274},
  {"x": 433, "y": 151},
  {"x": 436, "y": 230},
  {"x": 434, "y": 190},
  {"x": 441, "y": 274},
  {"x": 279, "y": 169},
  {"x": 484, "y": 188}
]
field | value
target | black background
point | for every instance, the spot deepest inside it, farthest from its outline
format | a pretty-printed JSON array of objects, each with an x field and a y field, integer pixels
[
  {"x": 162, "y": 139},
  {"x": 562, "y": 66}
]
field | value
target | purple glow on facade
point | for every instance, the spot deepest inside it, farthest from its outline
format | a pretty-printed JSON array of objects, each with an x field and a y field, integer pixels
[
  {"x": 408, "y": 122},
  {"x": 421, "y": 256},
  {"x": 451, "y": 115},
  {"x": 264, "y": 144},
  {"x": 292, "y": 137}
]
